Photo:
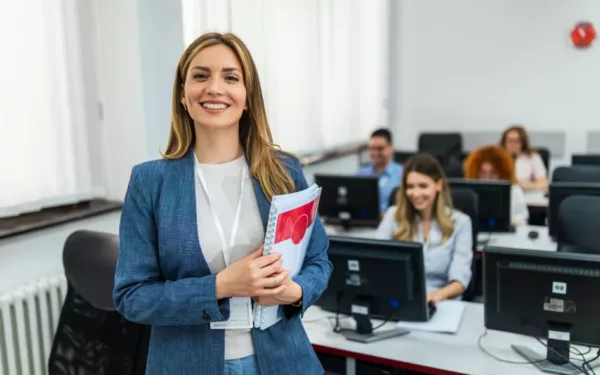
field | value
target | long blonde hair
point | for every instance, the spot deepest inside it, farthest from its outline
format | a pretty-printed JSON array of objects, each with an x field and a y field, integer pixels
[
  {"x": 406, "y": 215},
  {"x": 255, "y": 134}
]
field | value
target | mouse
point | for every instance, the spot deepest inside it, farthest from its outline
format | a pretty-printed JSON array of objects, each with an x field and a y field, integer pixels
[{"x": 533, "y": 234}]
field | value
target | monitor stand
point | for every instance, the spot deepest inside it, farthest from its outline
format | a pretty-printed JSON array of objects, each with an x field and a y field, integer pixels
[
  {"x": 364, "y": 329},
  {"x": 546, "y": 364}
]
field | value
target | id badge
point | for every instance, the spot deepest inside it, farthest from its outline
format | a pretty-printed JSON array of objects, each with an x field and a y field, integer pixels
[{"x": 240, "y": 315}]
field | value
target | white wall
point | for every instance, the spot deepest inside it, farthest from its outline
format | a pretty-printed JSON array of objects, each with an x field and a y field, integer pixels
[
  {"x": 481, "y": 65},
  {"x": 138, "y": 46}
]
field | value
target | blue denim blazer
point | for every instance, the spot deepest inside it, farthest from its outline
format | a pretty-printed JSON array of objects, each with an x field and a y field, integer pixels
[{"x": 163, "y": 280}]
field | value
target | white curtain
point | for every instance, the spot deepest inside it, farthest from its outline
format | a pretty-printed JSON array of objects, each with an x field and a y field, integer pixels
[
  {"x": 322, "y": 63},
  {"x": 43, "y": 140}
]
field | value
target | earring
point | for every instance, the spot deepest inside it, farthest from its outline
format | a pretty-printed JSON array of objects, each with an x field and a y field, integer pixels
[{"x": 184, "y": 106}]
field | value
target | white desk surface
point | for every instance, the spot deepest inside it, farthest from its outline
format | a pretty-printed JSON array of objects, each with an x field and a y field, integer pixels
[
  {"x": 536, "y": 198},
  {"x": 458, "y": 353},
  {"x": 519, "y": 239}
]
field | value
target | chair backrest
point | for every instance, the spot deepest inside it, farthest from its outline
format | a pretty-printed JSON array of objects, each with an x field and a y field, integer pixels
[
  {"x": 403, "y": 156},
  {"x": 545, "y": 155},
  {"x": 467, "y": 202},
  {"x": 447, "y": 148},
  {"x": 441, "y": 143},
  {"x": 579, "y": 173},
  {"x": 91, "y": 337},
  {"x": 578, "y": 218}
]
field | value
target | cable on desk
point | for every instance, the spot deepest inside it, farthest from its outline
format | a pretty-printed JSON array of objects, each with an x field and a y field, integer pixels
[
  {"x": 589, "y": 350},
  {"x": 480, "y": 344},
  {"x": 588, "y": 362},
  {"x": 387, "y": 319},
  {"x": 580, "y": 369}
]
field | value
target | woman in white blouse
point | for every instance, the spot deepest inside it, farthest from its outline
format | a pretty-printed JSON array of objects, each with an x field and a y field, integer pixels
[
  {"x": 529, "y": 167},
  {"x": 494, "y": 163},
  {"x": 424, "y": 213}
]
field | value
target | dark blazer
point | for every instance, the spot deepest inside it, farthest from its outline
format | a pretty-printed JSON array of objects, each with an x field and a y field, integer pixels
[{"x": 163, "y": 280}]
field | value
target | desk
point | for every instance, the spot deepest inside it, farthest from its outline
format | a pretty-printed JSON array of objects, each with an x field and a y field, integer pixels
[
  {"x": 519, "y": 239},
  {"x": 430, "y": 353},
  {"x": 536, "y": 198}
]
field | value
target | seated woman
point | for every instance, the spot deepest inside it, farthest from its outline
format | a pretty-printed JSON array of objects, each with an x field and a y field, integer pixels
[
  {"x": 493, "y": 163},
  {"x": 424, "y": 213},
  {"x": 529, "y": 167}
]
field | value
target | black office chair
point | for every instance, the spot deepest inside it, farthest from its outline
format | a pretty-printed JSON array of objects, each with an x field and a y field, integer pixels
[
  {"x": 545, "y": 155},
  {"x": 92, "y": 338},
  {"x": 447, "y": 148},
  {"x": 578, "y": 218},
  {"x": 402, "y": 157},
  {"x": 578, "y": 173},
  {"x": 467, "y": 202},
  {"x": 586, "y": 159},
  {"x": 444, "y": 143}
]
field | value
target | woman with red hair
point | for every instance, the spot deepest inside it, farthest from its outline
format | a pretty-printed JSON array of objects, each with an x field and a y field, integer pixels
[{"x": 494, "y": 163}]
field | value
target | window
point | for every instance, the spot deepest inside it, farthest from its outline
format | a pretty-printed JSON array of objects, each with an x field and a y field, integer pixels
[
  {"x": 322, "y": 63},
  {"x": 44, "y": 153}
]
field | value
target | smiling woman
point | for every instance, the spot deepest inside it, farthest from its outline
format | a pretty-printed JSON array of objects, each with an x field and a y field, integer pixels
[
  {"x": 424, "y": 213},
  {"x": 191, "y": 261}
]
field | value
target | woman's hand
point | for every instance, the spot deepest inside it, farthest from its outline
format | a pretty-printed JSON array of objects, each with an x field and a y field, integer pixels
[
  {"x": 291, "y": 294},
  {"x": 255, "y": 275},
  {"x": 435, "y": 296}
]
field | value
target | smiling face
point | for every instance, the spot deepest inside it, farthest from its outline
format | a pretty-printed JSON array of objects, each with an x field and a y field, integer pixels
[
  {"x": 214, "y": 92},
  {"x": 421, "y": 191},
  {"x": 380, "y": 151}
]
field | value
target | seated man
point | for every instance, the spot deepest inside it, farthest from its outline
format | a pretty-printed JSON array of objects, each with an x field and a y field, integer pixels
[{"x": 381, "y": 152}]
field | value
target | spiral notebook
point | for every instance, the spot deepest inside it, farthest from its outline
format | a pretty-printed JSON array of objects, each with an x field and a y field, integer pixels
[{"x": 291, "y": 220}]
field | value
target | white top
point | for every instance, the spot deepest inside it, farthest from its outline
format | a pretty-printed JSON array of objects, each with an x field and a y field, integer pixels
[
  {"x": 519, "y": 213},
  {"x": 444, "y": 262},
  {"x": 223, "y": 182},
  {"x": 530, "y": 167}
]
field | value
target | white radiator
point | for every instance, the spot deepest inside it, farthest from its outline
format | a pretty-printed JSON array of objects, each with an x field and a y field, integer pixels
[{"x": 28, "y": 319}]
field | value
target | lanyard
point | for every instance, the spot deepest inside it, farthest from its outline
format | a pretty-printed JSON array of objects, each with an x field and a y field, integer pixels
[{"x": 227, "y": 250}]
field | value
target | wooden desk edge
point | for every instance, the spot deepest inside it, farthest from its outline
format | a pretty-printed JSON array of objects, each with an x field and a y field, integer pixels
[{"x": 383, "y": 361}]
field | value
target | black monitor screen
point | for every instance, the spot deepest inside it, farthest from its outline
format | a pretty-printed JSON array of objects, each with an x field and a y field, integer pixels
[
  {"x": 350, "y": 199},
  {"x": 533, "y": 292},
  {"x": 493, "y": 203},
  {"x": 558, "y": 191},
  {"x": 389, "y": 275}
]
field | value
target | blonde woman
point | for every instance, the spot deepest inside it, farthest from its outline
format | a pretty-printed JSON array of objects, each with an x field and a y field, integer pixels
[
  {"x": 424, "y": 213},
  {"x": 193, "y": 224}
]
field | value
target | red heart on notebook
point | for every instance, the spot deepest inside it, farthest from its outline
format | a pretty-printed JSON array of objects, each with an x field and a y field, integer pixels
[{"x": 292, "y": 224}]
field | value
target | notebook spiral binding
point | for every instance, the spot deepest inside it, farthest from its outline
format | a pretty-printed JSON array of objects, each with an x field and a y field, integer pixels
[{"x": 269, "y": 240}]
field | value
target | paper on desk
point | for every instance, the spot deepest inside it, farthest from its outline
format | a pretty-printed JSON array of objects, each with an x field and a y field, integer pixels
[{"x": 446, "y": 319}]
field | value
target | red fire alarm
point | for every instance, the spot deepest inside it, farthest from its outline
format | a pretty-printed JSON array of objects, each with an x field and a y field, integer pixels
[{"x": 583, "y": 34}]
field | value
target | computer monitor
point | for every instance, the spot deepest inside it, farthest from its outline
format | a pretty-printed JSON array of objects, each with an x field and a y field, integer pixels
[
  {"x": 586, "y": 159},
  {"x": 349, "y": 200},
  {"x": 376, "y": 279},
  {"x": 543, "y": 294},
  {"x": 558, "y": 191},
  {"x": 494, "y": 203}
]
